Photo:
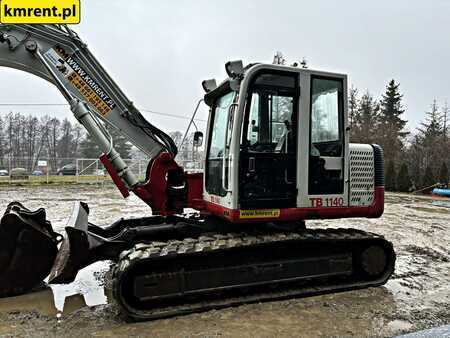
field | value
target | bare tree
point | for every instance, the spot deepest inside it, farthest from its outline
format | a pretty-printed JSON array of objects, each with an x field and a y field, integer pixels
[
  {"x": 53, "y": 136},
  {"x": 65, "y": 142},
  {"x": 445, "y": 111}
]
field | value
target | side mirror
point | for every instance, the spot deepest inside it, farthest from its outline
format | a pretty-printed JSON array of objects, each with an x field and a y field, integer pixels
[{"x": 198, "y": 139}]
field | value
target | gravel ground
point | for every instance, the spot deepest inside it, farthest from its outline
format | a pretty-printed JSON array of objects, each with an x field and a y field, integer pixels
[{"x": 416, "y": 297}]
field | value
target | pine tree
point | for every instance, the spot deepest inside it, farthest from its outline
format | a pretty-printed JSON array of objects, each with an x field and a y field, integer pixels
[
  {"x": 121, "y": 143},
  {"x": 432, "y": 128},
  {"x": 391, "y": 184},
  {"x": 443, "y": 174},
  {"x": 391, "y": 134},
  {"x": 353, "y": 114},
  {"x": 430, "y": 136},
  {"x": 89, "y": 147},
  {"x": 366, "y": 119},
  {"x": 403, "y": 179}
]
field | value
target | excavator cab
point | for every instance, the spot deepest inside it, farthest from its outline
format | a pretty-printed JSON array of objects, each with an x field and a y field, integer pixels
[{"x": 277, "y": 144}]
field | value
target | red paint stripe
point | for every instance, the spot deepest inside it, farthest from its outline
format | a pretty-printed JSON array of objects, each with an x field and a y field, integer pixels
[{"x": 294, "y": 214}]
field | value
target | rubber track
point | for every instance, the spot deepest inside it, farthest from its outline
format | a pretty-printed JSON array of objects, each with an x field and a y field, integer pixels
[{"x": 215, "y": 241}]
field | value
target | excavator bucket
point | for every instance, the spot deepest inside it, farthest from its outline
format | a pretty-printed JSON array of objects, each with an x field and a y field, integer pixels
[
  {"x": 86, "y": 243},
  {"x": 74, "y": 252},
  {"x": 28, "y": 249}
]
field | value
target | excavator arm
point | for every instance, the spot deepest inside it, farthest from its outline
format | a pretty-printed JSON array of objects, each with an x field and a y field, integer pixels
[{"x": 57, "y": 54}]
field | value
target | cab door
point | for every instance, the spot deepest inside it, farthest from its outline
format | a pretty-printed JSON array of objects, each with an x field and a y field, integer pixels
[
  {"x": 268, "y": 153},
  {"x": 327, "y": 142}
]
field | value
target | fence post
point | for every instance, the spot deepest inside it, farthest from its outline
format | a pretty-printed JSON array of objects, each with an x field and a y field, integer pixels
[{"x": 9, "y": 166}]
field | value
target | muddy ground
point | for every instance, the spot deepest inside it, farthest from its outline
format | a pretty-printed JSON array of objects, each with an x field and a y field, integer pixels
[{"x": 416, "y": 297}]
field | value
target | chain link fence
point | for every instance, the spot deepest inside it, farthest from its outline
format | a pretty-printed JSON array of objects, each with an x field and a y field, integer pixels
[{"x": 73, "y": 170}]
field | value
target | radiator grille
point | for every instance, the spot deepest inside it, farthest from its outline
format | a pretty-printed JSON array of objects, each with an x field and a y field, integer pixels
[{"x": 361, "y": 175}]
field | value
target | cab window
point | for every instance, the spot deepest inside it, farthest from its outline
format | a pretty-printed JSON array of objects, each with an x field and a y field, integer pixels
[
  {"x": 220, "y": 136},
  {"x": 219, "y": 126},
  {"x": 326, "y": 117},
  {"x": 270, "y": 112}
]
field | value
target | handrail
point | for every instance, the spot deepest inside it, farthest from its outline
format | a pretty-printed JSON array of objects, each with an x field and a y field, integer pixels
[{"x": 190, "y": 123}]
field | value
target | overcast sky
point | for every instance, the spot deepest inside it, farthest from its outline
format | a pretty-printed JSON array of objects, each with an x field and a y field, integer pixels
[{"x": 160, "y": 51}]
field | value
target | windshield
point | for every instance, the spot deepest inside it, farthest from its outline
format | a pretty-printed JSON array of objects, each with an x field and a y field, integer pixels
[{"x": 219, "y": 135}]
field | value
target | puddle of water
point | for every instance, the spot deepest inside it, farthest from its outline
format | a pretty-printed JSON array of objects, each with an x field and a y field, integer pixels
[
  {"x": 445, "y": 204},
  {"x": 59, "y": 300},
  {"x": 40, "y": 301},
  {"x": 430, "y": 208},
  {"x": 87, "y": 289},
  {"x": 400, "y": 325}
]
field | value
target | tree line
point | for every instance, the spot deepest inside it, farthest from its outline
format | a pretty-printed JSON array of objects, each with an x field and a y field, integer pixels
[
  {"x": 413, "y": 159},
  {"x": 26, "y": 139}
]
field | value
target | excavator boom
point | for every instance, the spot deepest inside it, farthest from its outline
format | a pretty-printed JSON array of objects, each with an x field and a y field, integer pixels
[
  {"x": 57, "y": 54},
  {"x": 66, "y": 61}
]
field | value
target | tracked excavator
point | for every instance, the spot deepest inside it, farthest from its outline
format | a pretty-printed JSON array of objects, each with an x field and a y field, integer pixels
[{"x": 277, "y": 154}]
